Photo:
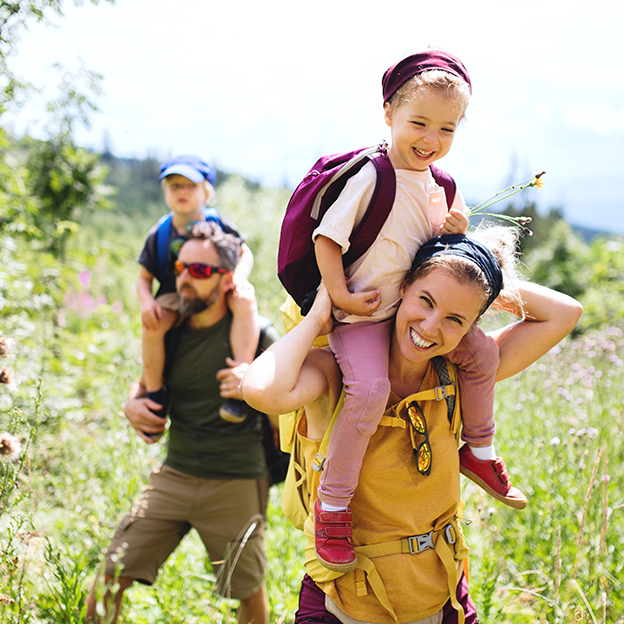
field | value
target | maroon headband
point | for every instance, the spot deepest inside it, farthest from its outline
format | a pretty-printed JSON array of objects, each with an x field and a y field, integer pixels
[{"x": 415, "y": 64}]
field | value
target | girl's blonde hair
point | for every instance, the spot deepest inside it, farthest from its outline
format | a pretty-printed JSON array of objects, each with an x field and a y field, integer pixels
[
  {"x": 445, "y": 83},
  {"x": 502, "y": 241}
]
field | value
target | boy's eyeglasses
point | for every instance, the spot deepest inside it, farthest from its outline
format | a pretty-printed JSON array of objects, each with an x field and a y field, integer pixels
[
  {"x": 198, "y": 270},
  {"x": 419, "y": 425}
]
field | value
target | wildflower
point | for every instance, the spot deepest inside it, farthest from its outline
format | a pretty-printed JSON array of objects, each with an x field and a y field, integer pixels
[
  {"x": 4, "y": 347},
  {"x": 554, "y": 441},
  {"x": 10, "y": 447},
  {"x": 5, "y": 376},
  {"x": 491, "y": 511},
  {"x": 537, "y": 182},
  {"x": 508, "y": 192},
  {"x": 592, "y": 432}
]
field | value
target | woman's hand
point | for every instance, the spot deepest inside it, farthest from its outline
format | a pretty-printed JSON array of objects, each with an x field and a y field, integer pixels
[{"x": 321, "y": 310}]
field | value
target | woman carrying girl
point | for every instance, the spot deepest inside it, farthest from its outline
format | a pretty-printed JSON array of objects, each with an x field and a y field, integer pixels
[
  {"x": 425, "y": 98},
  {"x": 407, "y": 506}
]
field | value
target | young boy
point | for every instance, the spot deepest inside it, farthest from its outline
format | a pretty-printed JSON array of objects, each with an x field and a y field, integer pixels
[{"x": 188, "y": 186}]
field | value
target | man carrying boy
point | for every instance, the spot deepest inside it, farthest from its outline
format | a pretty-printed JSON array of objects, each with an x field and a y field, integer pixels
[
  {"x": 214, "y": 477},
  {"x": 188, "y": 186}
]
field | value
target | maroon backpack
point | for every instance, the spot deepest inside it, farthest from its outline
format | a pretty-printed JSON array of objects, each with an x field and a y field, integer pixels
[{"x": 296, "y": 262}]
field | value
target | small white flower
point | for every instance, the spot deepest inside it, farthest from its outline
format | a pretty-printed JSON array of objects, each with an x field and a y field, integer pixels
[
  {"x": 555, "y": 441},
  {"x": 10, "y": 447}
]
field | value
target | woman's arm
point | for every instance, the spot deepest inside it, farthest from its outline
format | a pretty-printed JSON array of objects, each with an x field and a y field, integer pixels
[
  {"x": 288, "y": 376},
  {"x": 549, "y": 317}
]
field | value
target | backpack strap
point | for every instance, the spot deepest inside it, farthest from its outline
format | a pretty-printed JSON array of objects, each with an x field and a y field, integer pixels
[
  {"x": 445, "y": 180},
  {"x": 163, "y": 234},
  {"x": 364, "y": 235},
  {"x": 212, "y": 214},
  {"x": 440, "y": 366}
]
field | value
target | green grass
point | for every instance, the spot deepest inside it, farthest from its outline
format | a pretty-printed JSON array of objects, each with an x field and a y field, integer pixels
[{"x": 73, "y": 349}]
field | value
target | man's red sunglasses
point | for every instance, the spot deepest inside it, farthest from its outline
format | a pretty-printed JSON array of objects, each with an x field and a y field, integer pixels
[{"x": 198, "y": 270}]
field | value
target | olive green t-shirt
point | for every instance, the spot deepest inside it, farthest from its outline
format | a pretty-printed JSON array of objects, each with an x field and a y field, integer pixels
[{"x": 201, "y": 443}]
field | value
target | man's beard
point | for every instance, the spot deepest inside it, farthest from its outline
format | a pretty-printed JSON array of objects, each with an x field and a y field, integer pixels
[{"x": 192, "y": 304}]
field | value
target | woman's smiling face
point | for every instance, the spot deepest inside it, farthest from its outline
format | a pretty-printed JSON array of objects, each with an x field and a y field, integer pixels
[{"x": 436, "y": 312}]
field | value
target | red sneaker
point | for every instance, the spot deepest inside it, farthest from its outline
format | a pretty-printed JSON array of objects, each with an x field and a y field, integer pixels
[
  {"x": 492, "y": 476},
  {"x": 332, "y": 539}
]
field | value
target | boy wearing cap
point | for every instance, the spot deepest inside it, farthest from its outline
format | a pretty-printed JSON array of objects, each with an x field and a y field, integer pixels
[{"x": 188, "y": 186}]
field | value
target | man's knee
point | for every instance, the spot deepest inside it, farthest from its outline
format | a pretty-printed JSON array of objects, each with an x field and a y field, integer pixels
[{"x": 255, "y": 608}]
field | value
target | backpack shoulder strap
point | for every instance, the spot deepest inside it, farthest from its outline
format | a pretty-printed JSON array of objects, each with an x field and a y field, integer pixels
[
  {"x": 441, "y": 368},
  {"x": 212, "y": 214},
  {"x": 319, "y": 458},
  {"x": 445, "y": 180},
  {"x": 265, "y": 324},
  {"x": 163, "y": 233},
  {"x": 376, "y": 214}
]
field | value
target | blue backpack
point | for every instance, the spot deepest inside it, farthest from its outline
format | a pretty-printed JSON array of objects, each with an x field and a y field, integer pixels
[{"x": 163, "y": 234}]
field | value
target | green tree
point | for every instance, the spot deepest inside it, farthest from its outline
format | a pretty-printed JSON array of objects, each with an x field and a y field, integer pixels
[
  {"x": 562, "y": 261},
  {"x": 46, "y": 185}
]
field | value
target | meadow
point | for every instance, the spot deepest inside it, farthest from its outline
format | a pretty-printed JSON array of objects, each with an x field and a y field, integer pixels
[{"x": 69, "y": 340}]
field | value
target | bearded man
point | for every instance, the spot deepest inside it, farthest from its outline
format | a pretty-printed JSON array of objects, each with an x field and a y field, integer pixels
[{"x": 214, "y": 478}]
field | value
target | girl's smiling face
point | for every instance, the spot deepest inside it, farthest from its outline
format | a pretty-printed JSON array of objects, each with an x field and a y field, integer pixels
[
  {"x": 422, "y": 129},
  {"x": 436, "y": 313}
]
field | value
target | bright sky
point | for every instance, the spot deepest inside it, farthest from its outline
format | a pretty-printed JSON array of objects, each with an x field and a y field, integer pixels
[{"x": 264, "y": 88}]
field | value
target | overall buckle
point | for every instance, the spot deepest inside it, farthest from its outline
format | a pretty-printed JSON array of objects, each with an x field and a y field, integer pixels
[
  {"x": 440, "y": 393},
  {"x": 418, "y": 543},
  {"x": 318, "y": 462}
]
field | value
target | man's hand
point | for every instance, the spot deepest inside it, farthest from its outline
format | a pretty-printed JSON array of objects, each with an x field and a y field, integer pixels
[
  {"x": 455, "y": 222},
  {"x": 230, "y": 379},
  {"x": 151, "y": 313},
  {"x": 144, "y": 421}
]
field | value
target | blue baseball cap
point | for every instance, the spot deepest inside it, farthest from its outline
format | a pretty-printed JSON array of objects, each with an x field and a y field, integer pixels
[{"x": 191, "y": 167}]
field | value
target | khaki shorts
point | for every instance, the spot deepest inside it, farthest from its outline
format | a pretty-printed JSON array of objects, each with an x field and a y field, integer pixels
[{"x": 220, "y": 511}]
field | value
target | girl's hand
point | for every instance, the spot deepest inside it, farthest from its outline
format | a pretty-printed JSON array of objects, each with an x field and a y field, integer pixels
[
  {"x": 242, "y": 298},
  {"x": 361, "y": 303},
  {"x": 151, "y": 313},
  {"x": 455, "y": 222}
]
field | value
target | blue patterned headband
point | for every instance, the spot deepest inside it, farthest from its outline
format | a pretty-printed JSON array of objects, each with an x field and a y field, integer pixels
[{"x": 460, "y": 245}]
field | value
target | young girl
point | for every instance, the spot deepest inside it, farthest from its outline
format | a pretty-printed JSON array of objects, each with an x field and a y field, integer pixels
[{"x": 425, "y": 97}]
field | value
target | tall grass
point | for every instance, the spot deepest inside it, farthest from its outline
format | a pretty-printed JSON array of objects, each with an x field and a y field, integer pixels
[
  {"x": 73, "y": 332},
  {"x": 559, "y": 425}
]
